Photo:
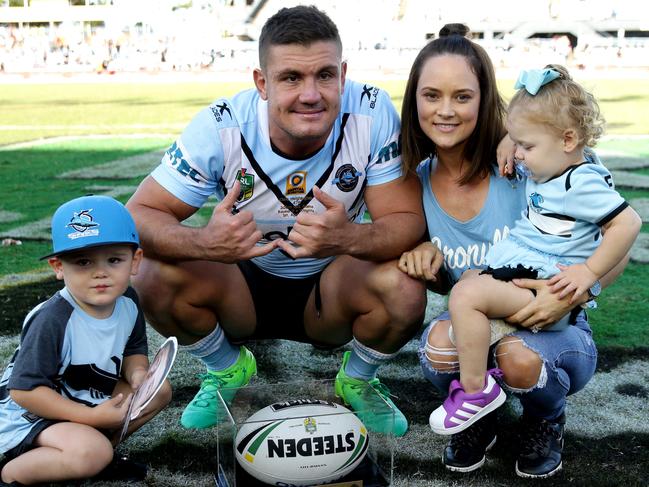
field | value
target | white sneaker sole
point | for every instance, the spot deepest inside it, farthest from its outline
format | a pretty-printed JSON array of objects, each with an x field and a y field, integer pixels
[
  {"x": 495, "y": 404},
  {"x": 542, "y": 476}
]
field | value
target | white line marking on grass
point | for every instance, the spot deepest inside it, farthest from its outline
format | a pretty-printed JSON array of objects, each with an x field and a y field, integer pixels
[
  {"x": 626, "y": 179},
  {"x": 125, "y": 126},
  {"x": 66, "y": 138},
  {"x": 11, "y": 280},
  {"x": 128, "y": 167},
  {"x": 641, "y": 205},
  {"x": 9, "y": 216}
]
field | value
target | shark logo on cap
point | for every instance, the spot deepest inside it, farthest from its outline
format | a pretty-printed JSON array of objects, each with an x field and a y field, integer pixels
[{"x": 83, "y": 223}]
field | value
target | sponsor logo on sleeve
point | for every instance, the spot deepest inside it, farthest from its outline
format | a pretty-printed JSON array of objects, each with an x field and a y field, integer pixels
[
  {"x": 176, "y": 159},
  {"x": 219, "y": 110},
  {"x": 371, "y": 93},
  {"x": 389, "y": 152}
]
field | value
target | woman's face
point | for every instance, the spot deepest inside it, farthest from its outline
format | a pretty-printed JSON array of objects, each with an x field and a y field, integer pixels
[{"x": 448, "y": 101}]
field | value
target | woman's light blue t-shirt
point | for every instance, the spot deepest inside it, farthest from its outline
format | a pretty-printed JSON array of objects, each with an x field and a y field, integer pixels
[{"x": 465, "y": 243}]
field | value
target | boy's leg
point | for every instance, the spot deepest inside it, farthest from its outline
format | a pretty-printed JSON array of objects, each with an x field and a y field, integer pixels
[{"x": 63, "y": 451}]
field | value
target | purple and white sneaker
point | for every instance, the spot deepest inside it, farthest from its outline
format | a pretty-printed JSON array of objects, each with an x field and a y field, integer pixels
[{"x": 460, "y": 410}]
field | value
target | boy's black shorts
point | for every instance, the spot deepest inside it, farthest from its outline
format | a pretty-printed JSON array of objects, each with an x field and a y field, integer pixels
[{"x": 28, "y": 442}]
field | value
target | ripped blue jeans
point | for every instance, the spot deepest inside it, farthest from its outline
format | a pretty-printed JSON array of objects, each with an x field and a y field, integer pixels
[{"x": 569, "y": 359}]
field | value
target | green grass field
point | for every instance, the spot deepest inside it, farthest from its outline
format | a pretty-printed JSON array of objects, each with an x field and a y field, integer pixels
[
  {"x": 114, "y": 134},
  {"x": 156, "y": 113}
]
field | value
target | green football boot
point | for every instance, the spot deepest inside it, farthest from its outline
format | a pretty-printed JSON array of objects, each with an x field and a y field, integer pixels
[
  {"x": 206, "y": 409},
  {"x": 371, "y": 402}
]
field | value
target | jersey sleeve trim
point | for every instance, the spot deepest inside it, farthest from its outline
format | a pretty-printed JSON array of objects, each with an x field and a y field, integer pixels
[{"x": 613, "y": 214}]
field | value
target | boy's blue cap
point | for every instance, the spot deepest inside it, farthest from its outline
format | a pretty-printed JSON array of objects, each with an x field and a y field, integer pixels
[{"x": 90, "y": 221}]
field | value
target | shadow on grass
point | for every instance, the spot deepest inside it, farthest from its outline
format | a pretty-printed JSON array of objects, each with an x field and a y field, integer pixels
[{"x": 16, "y": 302}]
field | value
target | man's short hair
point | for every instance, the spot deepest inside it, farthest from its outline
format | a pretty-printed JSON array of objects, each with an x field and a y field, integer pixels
[{"x": 302, "y": 25}]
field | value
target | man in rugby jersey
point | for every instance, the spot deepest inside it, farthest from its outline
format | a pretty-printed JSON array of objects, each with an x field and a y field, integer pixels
[{"x": 295, "y": 163}]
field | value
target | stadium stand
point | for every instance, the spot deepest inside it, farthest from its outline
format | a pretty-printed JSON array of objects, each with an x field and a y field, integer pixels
[{"x": 107, "y": 36}]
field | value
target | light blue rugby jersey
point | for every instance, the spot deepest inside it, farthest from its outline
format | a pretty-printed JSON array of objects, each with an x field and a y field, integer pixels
[
  {"x": 564, "y": 214},
  {"x": 229, "y": 140},
  {"x": 64, "y": 348},
  {"x": 465, "y": 244}
]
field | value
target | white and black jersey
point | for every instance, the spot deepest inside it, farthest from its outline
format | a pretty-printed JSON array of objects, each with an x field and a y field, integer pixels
[{"x": 64, "y": 348}]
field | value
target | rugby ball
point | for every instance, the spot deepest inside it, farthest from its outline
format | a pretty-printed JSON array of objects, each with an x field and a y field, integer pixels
[{"x": 301, "y": 442}]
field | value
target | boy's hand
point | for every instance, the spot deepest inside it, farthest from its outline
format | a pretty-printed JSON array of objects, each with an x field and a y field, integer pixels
[
  {"x": 110, "y": 414},
  {"x": 137, "y": 377},
  {"x": 422, "y": 262},
  {"x": 574, "y": 279}
]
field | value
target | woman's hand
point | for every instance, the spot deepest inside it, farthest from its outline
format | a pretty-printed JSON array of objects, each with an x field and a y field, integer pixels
[
  {"x": 422, "y": 262},
  {"x": 547, "y": 308},
  {"x": 505, "y": 155}
]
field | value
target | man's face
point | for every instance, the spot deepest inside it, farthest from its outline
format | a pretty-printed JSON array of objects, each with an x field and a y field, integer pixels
[{"x": 303, "y": 86}]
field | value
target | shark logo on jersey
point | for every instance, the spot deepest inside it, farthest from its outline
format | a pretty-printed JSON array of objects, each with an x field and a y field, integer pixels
[
  {"x": 84, "y": 225},
  {"x": 219, "y": 110},
  {"x": 346, "y": 178},
  {"x": 296, "y": 183},
  {"x": 247, "y": 182},
  {"x": 535, "y": 202}
]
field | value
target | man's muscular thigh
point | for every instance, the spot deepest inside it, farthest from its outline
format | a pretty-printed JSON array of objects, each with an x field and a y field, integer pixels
[
  {"x": 188, "y": 299},
  {"x": 371, "y": 301}
]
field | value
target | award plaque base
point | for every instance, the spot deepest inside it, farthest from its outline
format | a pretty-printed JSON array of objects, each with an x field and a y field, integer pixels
[{"x": 376, "y": 468}]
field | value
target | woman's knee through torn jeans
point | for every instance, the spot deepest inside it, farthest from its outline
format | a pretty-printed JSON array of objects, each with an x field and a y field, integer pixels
[{"x": 569, "y": 359}]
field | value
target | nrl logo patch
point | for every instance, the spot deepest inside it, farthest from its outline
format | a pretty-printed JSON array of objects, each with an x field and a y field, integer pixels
[
  {"x": 346, "y": 178},
  {"x": 310, "y": 425},
  {"x": 247, "y": 182}
]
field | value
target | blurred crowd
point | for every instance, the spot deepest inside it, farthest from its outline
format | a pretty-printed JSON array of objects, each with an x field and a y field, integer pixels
[{"x": 75, "y": 49}]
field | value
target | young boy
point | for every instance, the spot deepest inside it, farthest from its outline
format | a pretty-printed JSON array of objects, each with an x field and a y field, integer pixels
[{"x": 66, "y": 391}]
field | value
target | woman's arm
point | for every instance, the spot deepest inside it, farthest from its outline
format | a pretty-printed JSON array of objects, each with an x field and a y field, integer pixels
[{"x": 547, "y": 308}]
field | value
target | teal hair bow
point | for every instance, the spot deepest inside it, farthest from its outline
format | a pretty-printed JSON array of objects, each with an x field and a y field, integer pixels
[{"x": 533, "y": 79}]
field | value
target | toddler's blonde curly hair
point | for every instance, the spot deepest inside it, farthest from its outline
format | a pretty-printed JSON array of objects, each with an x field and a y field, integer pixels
[{"x": 563, "y": 104}]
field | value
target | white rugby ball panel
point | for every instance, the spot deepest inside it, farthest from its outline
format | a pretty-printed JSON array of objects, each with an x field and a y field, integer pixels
[{"x": 301, "y": 442}]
